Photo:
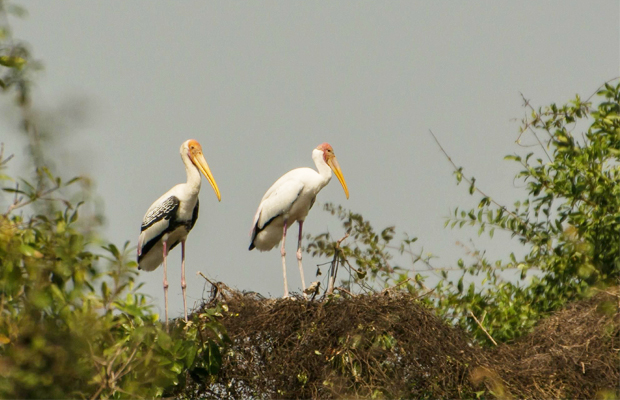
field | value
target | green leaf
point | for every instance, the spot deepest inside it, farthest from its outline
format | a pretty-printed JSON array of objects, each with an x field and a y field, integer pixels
[
  {"x": 27, "y": 250},
  {"x": 12, "y": 62},
  {"x": 472, "y": 187},
  {"x": 177, "y": 368},
  {"x": 214, "y": 357},
  {"x": 164, "y": 340}
]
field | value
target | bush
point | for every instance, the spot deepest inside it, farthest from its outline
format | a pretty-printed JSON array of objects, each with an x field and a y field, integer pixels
[
  {"x": 60, "y": 336},
  {"x": 569, "y": 220},
  {"x": 73, "y": 324}
]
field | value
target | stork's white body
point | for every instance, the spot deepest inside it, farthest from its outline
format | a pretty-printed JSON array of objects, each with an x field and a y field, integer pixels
[
  {"x": 288, "y": 199},
  {"x": 188, "y": 200},
  {"x": 170, "y": 218}
]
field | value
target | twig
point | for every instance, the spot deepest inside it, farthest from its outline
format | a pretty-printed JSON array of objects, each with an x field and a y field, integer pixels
[
  {"x": 208, "y": 280},
  {"x": 482, "y": 327},
  {"x": 475, "y": 187},
  {"x": 342, "y": 239},
  {"x": 600, "y": 87},
  {"x": 395, "y": 286},
  {"x": 3, "y": 160},
  {"x": 217, "y": 287},
  {"x": 119, "y": 374},
  {"x": 18, "y": 203},
  {"x": 101, "y": 387},
  {"x": 334, "y": 266},
  {"x": 425, "y": 294},
  {"x": 605, "y": 291},
  {"x": 526, "y": 103},
  {"x": 340, "y": 288}
]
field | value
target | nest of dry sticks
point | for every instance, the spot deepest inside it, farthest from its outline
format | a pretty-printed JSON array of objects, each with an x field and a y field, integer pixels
[
  {"x": 392, "y": 345},
  {"x": 572, "y": 354}
]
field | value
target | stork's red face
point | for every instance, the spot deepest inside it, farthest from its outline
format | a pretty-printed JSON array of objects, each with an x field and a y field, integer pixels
[
  {"x": 330, "y": 159},
  {"x": 194, "y": 152},
  {"x": 328, "y": 151}
]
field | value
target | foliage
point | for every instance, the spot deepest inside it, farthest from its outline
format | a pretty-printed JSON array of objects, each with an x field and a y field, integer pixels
[
  {"x": 73, "y": 323},
  {"x": 63, "y": 337},
  {"x": 569, "y": 220}
]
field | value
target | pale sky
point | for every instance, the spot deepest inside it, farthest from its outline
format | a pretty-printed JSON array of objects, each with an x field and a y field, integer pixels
[{"x": 261, "y": 84}]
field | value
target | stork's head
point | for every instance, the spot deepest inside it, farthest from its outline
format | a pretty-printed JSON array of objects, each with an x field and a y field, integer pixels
[
  {"x": 330, "y": 159},
  {"x": 193, "y": 150}
]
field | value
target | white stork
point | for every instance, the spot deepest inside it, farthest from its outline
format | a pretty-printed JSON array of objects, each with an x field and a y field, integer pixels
[
  {"x": 169, "y": 219},
  {"x": 288, "y": 200}
]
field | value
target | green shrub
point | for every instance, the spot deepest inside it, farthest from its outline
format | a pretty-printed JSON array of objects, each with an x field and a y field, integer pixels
[{"x": 568, "y": 220}]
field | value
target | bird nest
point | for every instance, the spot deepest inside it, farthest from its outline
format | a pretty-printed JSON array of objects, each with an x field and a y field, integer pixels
[
  {"x": 573, "y": 353},
  {"x": 392, "y": 345}
]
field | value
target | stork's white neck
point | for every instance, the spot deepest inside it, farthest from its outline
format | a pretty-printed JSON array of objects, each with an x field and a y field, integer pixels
[
  {"x": 193, "y": 175},
  {"x": 324, "y": 170}
]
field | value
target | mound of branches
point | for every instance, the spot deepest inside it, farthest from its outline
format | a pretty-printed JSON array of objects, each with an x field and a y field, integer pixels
[
  {"x": 364, "y": 346},
  {"x": 574, "y": 353},
  {"x": 392, "y": 345}
]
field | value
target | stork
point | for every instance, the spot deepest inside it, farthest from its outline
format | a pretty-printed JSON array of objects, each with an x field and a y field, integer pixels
[
  {"x": 288, "y": 200},
  {"x": 169, "y": 219}
]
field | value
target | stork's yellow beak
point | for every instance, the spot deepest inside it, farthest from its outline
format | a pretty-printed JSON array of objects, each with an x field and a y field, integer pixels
[
  {"x": 333, "y": 164},
  {"x": 201, "y": 163}
]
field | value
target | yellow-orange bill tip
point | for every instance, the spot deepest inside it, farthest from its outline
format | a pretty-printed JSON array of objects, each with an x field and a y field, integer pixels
[
  {"x": 333, "y": 163},
  {"x": 202, "y": 165}
]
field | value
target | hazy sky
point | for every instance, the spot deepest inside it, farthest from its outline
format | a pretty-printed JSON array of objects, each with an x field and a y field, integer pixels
[{"x": 261, "y": 84}]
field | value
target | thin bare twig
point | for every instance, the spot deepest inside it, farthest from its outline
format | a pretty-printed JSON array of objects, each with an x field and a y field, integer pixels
[
  {"x": 18, "y": 203},
  {"x": 340, "y": 288},
  {"x": 527, "y": 104},
  {"x": 207, "y": 279},
  {"x": 334, "y": 265},
  {"x": 468, "y": 181},
  {"x": 4, "y": 161},
  {"x": 599, "y": 88},
  {"x": 120, "y": 373},
  {"x": 395, "y": 286},
  {"x": 482, "y": 327},
  {"x": 426, "y": 293}
]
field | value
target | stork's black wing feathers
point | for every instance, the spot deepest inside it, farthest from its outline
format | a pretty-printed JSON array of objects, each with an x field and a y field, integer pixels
[
  {"x": 166, "y": 210},
  {"x": 194, "y": 215},
  {"x": 257, "y": 229},
  {"x": 312, "y": 202}
]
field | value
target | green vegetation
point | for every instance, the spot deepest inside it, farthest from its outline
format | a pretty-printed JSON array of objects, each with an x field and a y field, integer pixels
[
  {"x": 68, "y": 330},
  {"x": 74, "y": 324},
  {"x": 568, "y": 219}
]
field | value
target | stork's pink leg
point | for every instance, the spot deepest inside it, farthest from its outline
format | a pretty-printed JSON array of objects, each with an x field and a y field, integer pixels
[
  {"x": 183, "y": 285},
  {"x": 283, "y": 252},
  {"x": 301, "y": 269},
  {"x": 166, "y": 283}
]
